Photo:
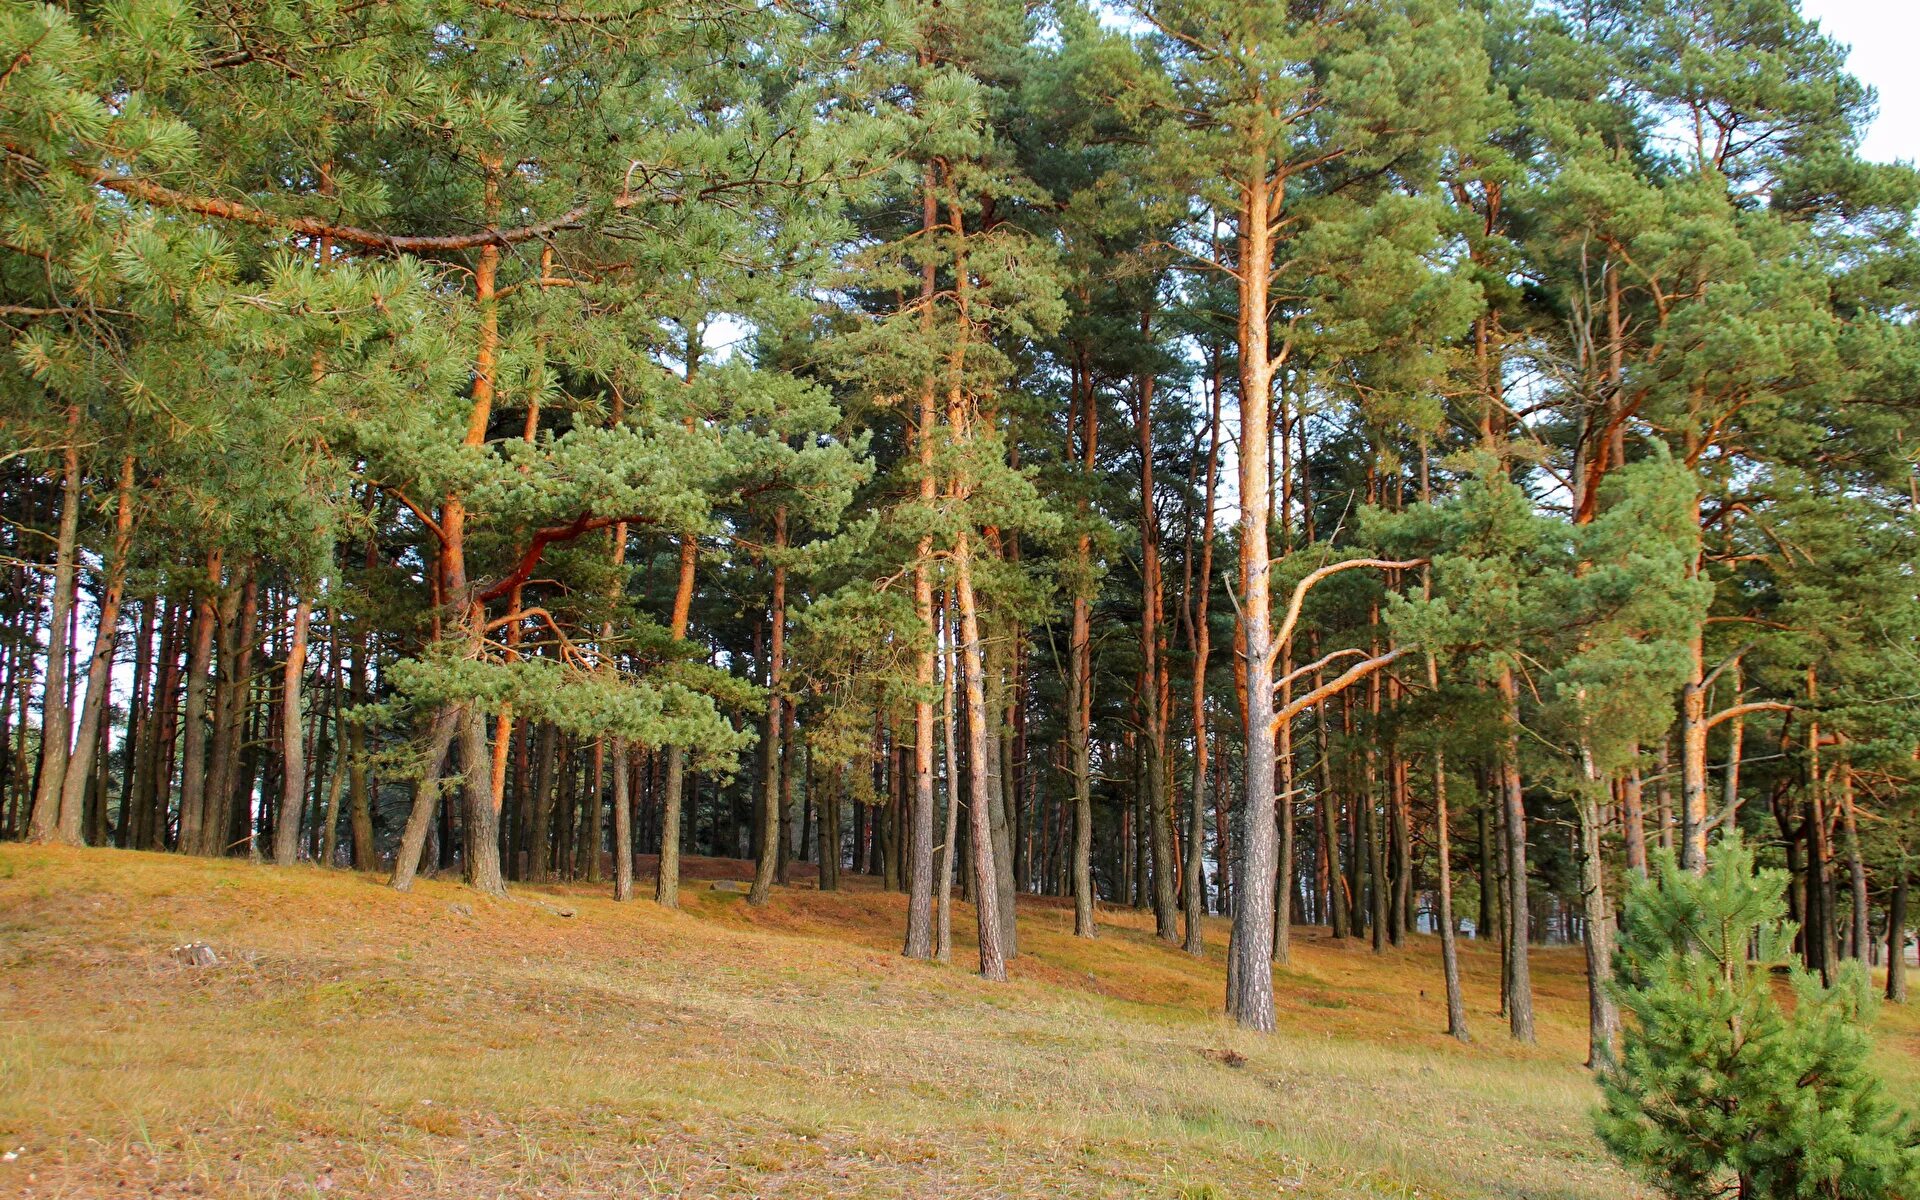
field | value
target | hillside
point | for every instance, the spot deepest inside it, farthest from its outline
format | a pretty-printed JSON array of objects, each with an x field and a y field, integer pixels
[{"x": 351, "y": 1041}]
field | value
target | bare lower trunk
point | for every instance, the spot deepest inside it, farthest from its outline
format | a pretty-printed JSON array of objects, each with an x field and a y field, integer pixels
[
  {"x": 1200, "y": 637},
  {"x": 769, "y": 861},
  {"x": 1443, "y": 852},
  {"x": 1250, "y": 996},
  {"x": 194, "y": 801},
  {"x": 55, "y": 718},
  {"x": 986, "y": 898},
  {"x": 1897, "y": 940},
  {"x": 93, "y": 711},
  {"x": 1081, "y": 660},
  {"x": 622, "y": 822},
  {"x": 1693, "y": 766},
  {"x": 666, "y": 885},
  {"x": 482, "y": 827},
  {"x": 1520, "y": 985},
  {"x": 426, "y": 798},
  {"x": 1603, "y": 1019},
  {"x": 943, "y": 949},
  {"x": 293, "y": 774}
]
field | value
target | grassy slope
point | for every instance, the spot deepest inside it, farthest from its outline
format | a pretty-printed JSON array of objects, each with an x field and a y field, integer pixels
[{"x": 356, "y": 1042}]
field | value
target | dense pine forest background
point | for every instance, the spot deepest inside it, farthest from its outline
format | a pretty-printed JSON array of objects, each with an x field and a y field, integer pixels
[{"x": 1401, "y": 468}]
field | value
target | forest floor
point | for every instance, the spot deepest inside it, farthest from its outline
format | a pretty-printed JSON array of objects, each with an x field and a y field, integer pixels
[{"x": 355, "y": 1042}]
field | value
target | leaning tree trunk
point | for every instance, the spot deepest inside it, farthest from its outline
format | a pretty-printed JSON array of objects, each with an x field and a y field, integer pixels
[
  {"x": 426, "y": 798},
  {"x": 55, "y": 718},
  {"x": 100, "y": 666}
]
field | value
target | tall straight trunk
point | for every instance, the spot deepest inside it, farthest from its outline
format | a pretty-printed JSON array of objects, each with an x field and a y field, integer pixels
[
  {"x": 999, "y": 817},
  {"x": 1250, "y": 999},
  {"x": 1400, "y": 920},
  {"x": 1820, "y": 924},
  {"x": 1856, "y": 866},
  {"x": 830, "y": 818},
  {"x": 1371, "y": 821},
  {"x": 769, "y": 824},
  {"x": 1443, "y": 853},
  {"x": 622, "y": 821},
  {"x": 153, "y": 786},
  {"x": 236, "y": 633},
  {"x": 56, "y": 717},
  {"x": 359, "y": 801},
  {"x": 1200, "y": 637},
  {"x": 920, "y": 933},
  {"x": 666, "y": 884},
  {"x": 1484, "y": 923},
  {"x": 1693, "y": 763},
  {"x": 293, "y": 774},
  {"x": 1339, "y": 914},
  {"x": 93, "y": 712},
  {"x": 790, "y": 751},
  {"x": 1080, "y": 668},
  {"x": 1520, "y": 987},
  {"x": 1159, "y": 812},
  {"x": 1633, "y": 814},
  {"x": 943, "y": 948},
  {"x": 1603, "y": 1018},
  {"x": 133, "y": 742},
  {"x": 1897, "y": 938},
  {"x": 986, "y": 900},
  {"x": 194, "y": 803},
  {"x": 1442, "y": 821}
]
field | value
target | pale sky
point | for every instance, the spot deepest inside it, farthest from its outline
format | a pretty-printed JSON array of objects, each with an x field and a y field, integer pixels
[{"x": 1885, "y": 37}]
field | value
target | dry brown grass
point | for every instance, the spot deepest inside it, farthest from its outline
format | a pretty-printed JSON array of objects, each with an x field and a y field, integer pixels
[{"x": 355, "y": 1042}]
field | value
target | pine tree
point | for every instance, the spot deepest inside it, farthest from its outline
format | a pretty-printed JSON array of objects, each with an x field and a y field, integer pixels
[{"x": 1719, "y": 1087}]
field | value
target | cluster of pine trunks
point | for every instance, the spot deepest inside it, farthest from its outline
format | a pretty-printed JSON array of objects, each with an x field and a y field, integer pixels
[{"x": 207, "y": 675}]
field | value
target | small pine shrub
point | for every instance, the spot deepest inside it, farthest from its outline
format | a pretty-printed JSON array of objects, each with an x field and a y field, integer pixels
[{"x": 1719, "y": 1090}]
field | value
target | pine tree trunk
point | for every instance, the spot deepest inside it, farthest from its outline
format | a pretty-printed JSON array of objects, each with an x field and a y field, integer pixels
[
  {"x": 293, "y": 774},
  {"x": 1250, "y": 997},
  {"x": 1520, "y": 987},
  {"x": 359, "y": 799},
  {"x": 986, "y": 893},
  {"x": 769, "y": 827},
  {"x": 193, "y": 750},
  {"x": 622, "y": 822},
  {"x": 999, "y": 819},
  {"x": 46, "y": 825},
  {"x": 426, "y": 798},
  {"x": 1897, "y": 938},
  {"x": 943, "y": 947},
  {"x": 1693, "y": 764},
  {"x": 1856, "y": 866},
  {"x": 1200, "y": 638},
  {"x": 93, "y": 711},
  {"x": 1634, "y": 817},
  {"x": 1603, "y": 1019},
  {"x": 666, "y": 885}
]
